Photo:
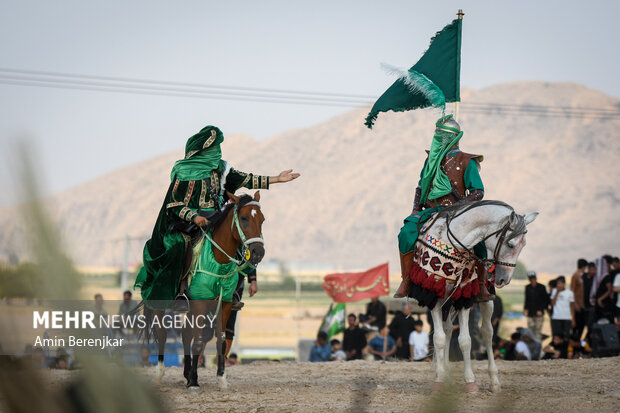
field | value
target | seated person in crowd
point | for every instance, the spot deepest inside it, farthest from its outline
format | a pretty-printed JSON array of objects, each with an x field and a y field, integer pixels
[
  {"x": 232, "y": 360},
  {"x": 418, "y": 342},
  {"x": 578, "y": 349},
  {"x": 557, "y": 349},
  {"x": 337, "y": 353},
  {"x": 376, "y": 345},
  {"x": 522, "y": 351},
  {"x": 321, "y": 350}
]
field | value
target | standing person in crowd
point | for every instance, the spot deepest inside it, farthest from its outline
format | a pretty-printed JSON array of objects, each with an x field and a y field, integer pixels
[
  {"x": 376, "y": 313},
  {"x": 576, "y": 286},
  {"x": 354, "y": 340},
  {"x": 127, "y": 305},
  {"x": 536, "y": 301},
  {"x": 616, "y": 286},
  {"x": 124, "y": 310},
  {"x": 419, "y": 341},
  {"x": 604, "y": 308},
  {"x": 376, "y": 345},
  {"x": 400, "y": 328},
  {"x": 550, "y": 287},
  {"x": 588, "y": 283},
  {"x": 563, "y": 302},
  {"x": 321, "y": 350}
]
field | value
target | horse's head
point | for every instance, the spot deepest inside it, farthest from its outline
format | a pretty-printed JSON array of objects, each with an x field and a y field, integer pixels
[
  {"x": 249, "y": 223},
  {"x": 505, "y": 246}
]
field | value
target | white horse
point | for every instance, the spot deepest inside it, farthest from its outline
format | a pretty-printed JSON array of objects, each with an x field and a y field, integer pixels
[{"x": 463, "y": 227}]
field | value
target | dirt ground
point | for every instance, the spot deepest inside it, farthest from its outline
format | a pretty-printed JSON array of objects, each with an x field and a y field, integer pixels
[{"x": 541, "y": 386}]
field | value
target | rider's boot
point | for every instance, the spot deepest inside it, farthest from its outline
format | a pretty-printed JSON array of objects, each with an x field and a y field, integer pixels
[
  {"x": 406, "y": 262},
  {"x": 483, "y": 294},
  {"x": 181, "y": 301}
]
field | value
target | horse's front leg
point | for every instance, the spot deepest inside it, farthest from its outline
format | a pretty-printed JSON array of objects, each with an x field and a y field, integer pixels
[
  {"x": 486, "y": 310},
  {"x": 448, "y": 328},
  {"x": 198, "y": 310},
  {"x": 439, "y": 344},
  {"x": 465, "y": 345},
  {"x": 221, "y": 345},
  {"x": 186, "y": 335},
  {"x": 162, "y": 335}
]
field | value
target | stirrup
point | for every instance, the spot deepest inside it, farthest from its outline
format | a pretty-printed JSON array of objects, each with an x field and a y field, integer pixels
[{"x": 181, "y": 303}]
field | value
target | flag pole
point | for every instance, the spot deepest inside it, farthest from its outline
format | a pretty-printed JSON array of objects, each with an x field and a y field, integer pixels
[{"x": 460, "y": 15}]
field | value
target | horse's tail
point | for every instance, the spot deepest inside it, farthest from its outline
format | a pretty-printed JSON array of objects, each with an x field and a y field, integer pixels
[{"x": 146, "y": 331}]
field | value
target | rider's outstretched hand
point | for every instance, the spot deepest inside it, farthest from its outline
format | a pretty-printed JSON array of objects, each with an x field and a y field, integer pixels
[{"x": 285, "y": 176}]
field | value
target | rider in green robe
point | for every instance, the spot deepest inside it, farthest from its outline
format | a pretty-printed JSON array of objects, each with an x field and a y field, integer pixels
[
  {"x": 449, "y": 176},
  {"x": 198, "y": 182}
]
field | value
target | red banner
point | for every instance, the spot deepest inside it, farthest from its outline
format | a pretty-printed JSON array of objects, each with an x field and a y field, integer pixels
[{"x": 358, "y": 286}]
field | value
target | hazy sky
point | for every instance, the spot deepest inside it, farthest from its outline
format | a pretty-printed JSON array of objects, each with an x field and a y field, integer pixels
[{"x": 323, "y": 46}]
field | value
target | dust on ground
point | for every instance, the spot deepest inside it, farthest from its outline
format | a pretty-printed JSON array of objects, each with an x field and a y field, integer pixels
[{"x": 536, "y": 386}]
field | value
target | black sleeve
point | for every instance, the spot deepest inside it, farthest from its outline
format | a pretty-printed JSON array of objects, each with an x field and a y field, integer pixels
[{"x": 527, "y": 304}]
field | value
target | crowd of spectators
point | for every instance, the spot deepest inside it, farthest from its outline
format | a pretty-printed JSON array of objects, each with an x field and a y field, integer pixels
[
  {"x": 583, "y": 315},
  {"x": 582, "y": 310}
]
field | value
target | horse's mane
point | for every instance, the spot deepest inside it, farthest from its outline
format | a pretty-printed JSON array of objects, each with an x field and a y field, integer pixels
[
  {"x": 219, "y": 218},
  {"x": 457, "y": 209}
]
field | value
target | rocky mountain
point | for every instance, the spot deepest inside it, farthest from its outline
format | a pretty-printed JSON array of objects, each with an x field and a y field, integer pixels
[{"x": 357, "y": 184}]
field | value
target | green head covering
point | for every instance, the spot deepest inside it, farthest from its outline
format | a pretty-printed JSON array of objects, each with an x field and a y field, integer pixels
[
  {"x": 447, "y": 134},
  {"x": 202, "y": 155}
]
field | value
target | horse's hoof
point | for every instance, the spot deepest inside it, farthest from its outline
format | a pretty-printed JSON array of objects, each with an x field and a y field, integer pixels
[
  {"x": 471, "y": 387},
  {"x": 222, "y": 383},
  {"x": 193, "y": 389},
  {"x": 437, "y": 386},
  {"x": 496, "y": 388}
]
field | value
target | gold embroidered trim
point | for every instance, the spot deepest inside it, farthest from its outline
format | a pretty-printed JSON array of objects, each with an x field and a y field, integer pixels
[
  {"x": 209, "y": 141},
  {"x": 245, "y": 181},
  {"x": 190, "y": 154},
  {"x": 264, "y": 182},
  {"x": 174, "y": 204},
  {"x": 176, "y": 186},
  {"x": 203, "y": 193},
  {"x": 185, "y": 212},
  {"x": 215, "y": 181},
  {"x": 190, "y": 190},
  {"x": 255, "y": 182}
]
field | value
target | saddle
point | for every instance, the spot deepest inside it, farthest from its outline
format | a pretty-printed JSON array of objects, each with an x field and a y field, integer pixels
[{"x": 436, "y": 264}]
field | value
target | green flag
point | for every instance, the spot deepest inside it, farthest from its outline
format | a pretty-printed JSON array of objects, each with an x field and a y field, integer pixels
[
  {"x": 432, "y": 81},
  {"x": 333, "y": 323}
]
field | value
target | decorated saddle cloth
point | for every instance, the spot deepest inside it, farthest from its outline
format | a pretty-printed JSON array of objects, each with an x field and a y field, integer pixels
[
  {"x": 436, "y": 264},
  {"x": 208, "y": 278}
]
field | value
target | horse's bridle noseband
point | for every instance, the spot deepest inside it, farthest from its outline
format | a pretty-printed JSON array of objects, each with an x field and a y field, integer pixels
[{"x": 246, "y": 241}]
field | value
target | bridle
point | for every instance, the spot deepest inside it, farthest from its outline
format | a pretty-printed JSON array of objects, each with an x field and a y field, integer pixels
[
  {"x": 489, "y": 263},
  {"x": 246, "y": 242}
]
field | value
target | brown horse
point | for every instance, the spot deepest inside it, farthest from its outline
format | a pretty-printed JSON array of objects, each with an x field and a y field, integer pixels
[{"x": 240, "y": 226}]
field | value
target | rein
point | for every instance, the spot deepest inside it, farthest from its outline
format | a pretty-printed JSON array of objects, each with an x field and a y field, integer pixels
[{"x": 489, "y": 263}]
